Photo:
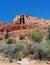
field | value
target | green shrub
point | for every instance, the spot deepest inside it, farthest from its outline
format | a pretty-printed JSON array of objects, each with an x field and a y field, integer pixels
[
  {"x": 16, "y": 51},
  {"x": 6, "y": 36},
  {"x": 36, "y": 35},
  {"x": 42, "y": 49},
  {"x": 20, "y": 47},
  {"x": 22, "y": 37},
  {"x": 0, "y": 38},
  {"x": 48, "y": 42},
  {"x": 29, "y": 49},
  {"x": 1, "y": 49},
  {"x": 36, "y": 47},
  {"x": 4, "y": 48},
  {"x": 48, "y": 33},
  {"x": 9, "y": 51},
  {"x": 11, "y": 41}
]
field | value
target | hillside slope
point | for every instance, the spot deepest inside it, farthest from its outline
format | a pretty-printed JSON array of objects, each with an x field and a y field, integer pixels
[{"x": 28, "y": 22}]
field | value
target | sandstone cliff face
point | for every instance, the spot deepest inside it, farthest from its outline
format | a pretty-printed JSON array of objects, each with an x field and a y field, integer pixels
[
  {"x": 33, "y": 23},
  {"x": 28, "y": 22},
  {"x": 2, "y": 26}
]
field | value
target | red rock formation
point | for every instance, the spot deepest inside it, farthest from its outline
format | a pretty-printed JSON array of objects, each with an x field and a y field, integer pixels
[
  {"x": 2, "y": 24},
  {"x": 29, "y": 23}
]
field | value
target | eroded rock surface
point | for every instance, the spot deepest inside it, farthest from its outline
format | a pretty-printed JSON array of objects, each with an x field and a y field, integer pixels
[{"x": 24, "y": 23}]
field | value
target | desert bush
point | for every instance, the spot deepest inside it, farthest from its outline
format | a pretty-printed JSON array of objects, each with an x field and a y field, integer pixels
[
  {"x": 48, "y": 42},
  {"x": 20, "y": 47},
  {"x": 35, "y": 47},
  {"x": 22, "y": 37},
  {"x": 1, "y": 48},
  {"x": 45, "y": 49},
  {"x": 42, "y": 49},
  {"x": 37, "y": 50},
  {"x": 36, "y": 35},
  {"x": 7, "y": 50},
  {"x": 0, "y": 38},
  {"x": 6, "y": 36},
  {"x": 48, "y": 33},
  {"x": 29, "y": 49},
  {"x": 11, "y": 41},
  {"x": 16, "y": 51}
]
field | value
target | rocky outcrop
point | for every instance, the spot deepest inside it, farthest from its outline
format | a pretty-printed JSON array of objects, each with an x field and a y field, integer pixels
[
  {"x": 25, "y": 23},
  {"x": 2, "y": 26}
]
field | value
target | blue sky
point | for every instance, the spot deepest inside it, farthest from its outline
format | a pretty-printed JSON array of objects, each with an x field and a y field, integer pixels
[{"x": 10, "y": 8}]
